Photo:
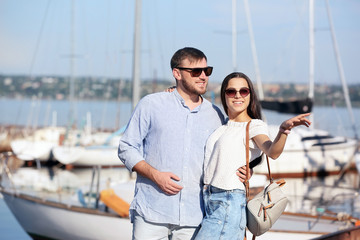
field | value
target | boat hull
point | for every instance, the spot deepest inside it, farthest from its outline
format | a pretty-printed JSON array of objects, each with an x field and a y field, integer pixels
[
  {"x": 30, "y": 150},
  {"x": 87, "y": 156},
  {"x": 37, "y": 146},
  {"x": 45, "y": 219}
]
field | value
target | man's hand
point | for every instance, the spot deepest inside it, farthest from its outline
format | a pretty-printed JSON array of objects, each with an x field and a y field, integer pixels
[
  {"x": 241, "y": 173},
  {"x": 165, "y": 181}
]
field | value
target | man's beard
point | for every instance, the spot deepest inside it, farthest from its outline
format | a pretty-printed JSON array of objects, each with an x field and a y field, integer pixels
[{"x": 191, "y": 89}]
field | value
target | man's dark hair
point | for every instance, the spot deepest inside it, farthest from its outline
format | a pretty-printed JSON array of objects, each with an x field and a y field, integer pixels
[{"x": 192, "y": 54}]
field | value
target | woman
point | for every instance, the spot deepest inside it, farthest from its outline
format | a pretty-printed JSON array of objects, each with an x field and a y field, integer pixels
[{"x": 224, "y": 194}]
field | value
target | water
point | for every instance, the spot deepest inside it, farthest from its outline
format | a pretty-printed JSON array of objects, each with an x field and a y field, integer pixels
[
  {"x": 9, "y": 227},
  {"x": 114, "y": 115},
  {"x": 35, "y": 113}
]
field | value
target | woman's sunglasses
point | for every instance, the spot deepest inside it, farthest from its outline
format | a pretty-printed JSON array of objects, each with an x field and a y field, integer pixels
[
  {"x": 232, "y": 92},
  {"x": 196, "y": 72}
]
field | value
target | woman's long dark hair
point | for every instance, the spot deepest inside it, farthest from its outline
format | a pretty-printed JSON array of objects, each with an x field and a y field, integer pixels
[{"x": 254, "y": 108}]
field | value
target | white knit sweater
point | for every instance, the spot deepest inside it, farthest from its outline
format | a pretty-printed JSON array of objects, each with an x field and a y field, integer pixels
[{"x": 225, "y": 153}]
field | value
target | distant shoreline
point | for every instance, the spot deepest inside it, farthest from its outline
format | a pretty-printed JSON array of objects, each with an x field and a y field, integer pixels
[
  {"x": 355, "y": 104},
  {"x": 99, "y": 89}
]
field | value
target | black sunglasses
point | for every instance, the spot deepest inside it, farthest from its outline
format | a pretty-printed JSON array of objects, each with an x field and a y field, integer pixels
[
  {"x": 232, "y": 92},
  {"x": 196, "y": 72}
]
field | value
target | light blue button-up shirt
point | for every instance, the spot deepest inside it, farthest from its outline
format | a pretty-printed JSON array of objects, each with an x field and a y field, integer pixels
[{"x": 171, "y": 138}]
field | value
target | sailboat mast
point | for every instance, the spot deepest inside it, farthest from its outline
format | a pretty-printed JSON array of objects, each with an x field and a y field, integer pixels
[
  {"x": 136, "y": 62},
  {"x": 253, "y": 50},
  {"x": 311, "y": 56},
  {"x": 234, "y": 35},
  {"x": 311, "y": 49},
  {"x": 72, "y": 65},
  {"x": 341, "y": 71}
]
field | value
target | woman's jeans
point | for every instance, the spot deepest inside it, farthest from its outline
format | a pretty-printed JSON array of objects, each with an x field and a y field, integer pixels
[{"x": 225, "y": 214}]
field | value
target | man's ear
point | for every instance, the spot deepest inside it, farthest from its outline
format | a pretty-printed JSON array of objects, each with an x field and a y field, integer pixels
[{"x": 176, "y": 74}]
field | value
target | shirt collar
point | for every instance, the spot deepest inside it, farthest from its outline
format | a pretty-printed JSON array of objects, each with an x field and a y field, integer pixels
[{"x": 182, "y": 101}]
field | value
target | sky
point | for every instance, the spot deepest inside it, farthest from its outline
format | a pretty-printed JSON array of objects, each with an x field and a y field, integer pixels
[{"x": 95, "y": 38}]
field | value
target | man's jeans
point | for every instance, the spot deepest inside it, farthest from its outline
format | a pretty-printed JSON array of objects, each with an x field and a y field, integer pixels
[
  {"x": 225, "y": 214},
  {"x": 144, "y": 230}
]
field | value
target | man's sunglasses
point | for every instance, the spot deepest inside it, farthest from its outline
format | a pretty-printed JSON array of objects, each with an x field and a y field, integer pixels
[
  {"x": 232, "y": 92},
  {"x": 196, "y": 72}
]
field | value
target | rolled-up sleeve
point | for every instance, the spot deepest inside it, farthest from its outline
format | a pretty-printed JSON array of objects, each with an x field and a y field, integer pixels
[{"x": 130, "y": 149}]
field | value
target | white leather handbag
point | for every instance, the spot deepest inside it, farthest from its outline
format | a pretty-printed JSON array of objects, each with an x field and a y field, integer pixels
[{"x": 268, "y": 205}]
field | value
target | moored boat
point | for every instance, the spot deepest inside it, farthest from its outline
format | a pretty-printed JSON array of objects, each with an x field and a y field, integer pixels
[
  {"x": 45, "y": 219},
  {"x": 87, "y": 155},
  {"x": 311, "y": 153},
  {"x": 101, "y": 150},
  {"x": 37, "y": 146}
]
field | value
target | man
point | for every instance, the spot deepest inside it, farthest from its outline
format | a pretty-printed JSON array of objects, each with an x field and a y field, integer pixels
[{"x": 164, "y": 144}]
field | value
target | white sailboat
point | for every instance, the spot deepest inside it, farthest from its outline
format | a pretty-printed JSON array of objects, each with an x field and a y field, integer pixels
[
  {"x": 87, "y": 156},
  {"x": 307, "y": 151},
  {"x": 38, "y": 145},
  {"x": 66, "y": 220},
  {"x": 102, "y": 151}
]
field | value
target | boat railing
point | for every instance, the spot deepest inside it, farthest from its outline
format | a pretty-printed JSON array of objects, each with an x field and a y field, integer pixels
[
  {"x": 4, "y": 159},
  {"x": 95, "y": 173}
]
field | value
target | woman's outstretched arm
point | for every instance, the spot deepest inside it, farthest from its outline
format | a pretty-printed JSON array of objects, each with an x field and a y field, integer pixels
[{"x": 274, "y": 148}]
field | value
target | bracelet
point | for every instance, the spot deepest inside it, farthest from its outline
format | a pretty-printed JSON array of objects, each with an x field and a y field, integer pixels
[{"x": 285, "y": 131}]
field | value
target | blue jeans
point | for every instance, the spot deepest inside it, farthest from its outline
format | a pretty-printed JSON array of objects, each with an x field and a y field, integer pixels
[{"x": 225, "y": 214}]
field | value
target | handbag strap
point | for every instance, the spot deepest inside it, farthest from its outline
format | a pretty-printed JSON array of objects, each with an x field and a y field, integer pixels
[
  {"x": 247, "y": 161},
  {"x": 268, "y": 164},
  {"x": 247, "y": 144}
]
